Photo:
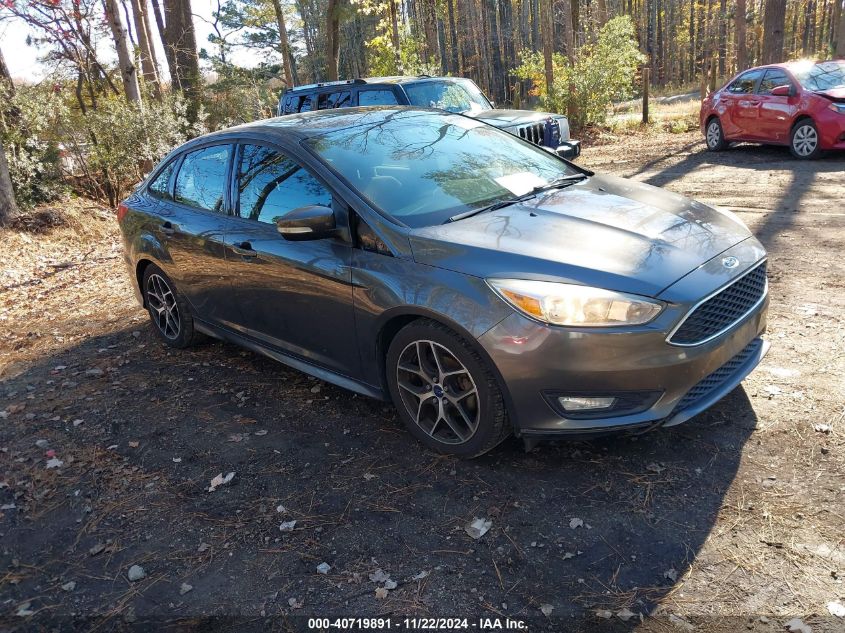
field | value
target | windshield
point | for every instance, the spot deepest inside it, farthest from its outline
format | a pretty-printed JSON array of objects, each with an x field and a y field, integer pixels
[
  {"x": 820, "y": 77},
  {"x": 454, "y": 95},
  {"x": 423, "y": 168}
]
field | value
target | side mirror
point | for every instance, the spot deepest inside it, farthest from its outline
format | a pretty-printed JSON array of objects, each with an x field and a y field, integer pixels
[
  {"x": 312, "y": 222},
  {"x": 782, "y": 91}
]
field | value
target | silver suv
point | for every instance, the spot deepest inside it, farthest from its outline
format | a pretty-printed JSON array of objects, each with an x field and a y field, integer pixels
[{"x": 454, "y": 94}]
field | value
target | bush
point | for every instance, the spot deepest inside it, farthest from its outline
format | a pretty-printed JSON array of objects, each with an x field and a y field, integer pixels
[
  {"x": 604, "y": 72},
  {"x": 27, "y": 123},
  {"x": 114, "y": 146}
]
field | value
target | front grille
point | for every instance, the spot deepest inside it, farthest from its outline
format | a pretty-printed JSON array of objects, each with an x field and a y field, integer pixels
[
  {"x": 715, "y": 380},
  {"x": 532, "y": 133},
  {"x": 721, "y": 311}
]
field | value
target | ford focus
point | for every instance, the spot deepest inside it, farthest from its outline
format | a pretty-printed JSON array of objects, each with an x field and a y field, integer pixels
[{"x": 485, "y": 285}]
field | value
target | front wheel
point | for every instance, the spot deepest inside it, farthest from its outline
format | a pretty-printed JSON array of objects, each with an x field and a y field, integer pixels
[
  {"x": 804, "y": 141},
  {"x": 445, "y": 393},
  {"x": 714, "y": 136}
]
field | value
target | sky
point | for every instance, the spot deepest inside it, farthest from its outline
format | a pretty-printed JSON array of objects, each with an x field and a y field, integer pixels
[{"x": 24, "y": 64}]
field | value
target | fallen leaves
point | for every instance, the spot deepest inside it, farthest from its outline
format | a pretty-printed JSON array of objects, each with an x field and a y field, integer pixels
[
  {"x": 576, "y": 523},
  {"x": 220, "y": 480},
  {"x": 478, "y": 527}
]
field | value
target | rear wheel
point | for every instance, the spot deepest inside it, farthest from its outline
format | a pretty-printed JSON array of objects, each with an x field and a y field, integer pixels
[
  {"x": 446, "y": 395},
  {"x": 804, "y": 141},
  {"x": 168, "y": 309},
  {"x": 714, "y": 136}
]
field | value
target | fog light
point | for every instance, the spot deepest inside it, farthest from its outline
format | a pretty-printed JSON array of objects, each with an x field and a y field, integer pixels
[{"x": 579, "y": 403}]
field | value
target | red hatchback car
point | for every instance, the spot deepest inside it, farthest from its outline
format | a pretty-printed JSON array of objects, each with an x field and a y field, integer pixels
[{"x": 799, "y": 104}]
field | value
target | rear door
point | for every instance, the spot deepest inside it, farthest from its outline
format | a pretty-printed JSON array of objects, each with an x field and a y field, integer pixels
[
  {"x": 741, "y": 106},
  {"x": 192, "y": 226},
  {"x": 294, "y": 296},
  {"x": 775, "y": 113}
]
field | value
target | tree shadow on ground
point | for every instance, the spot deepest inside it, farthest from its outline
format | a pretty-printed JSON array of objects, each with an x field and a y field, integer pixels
[
  {"x": 580, "y": 526},
  {"x": 783, "y": 208}
]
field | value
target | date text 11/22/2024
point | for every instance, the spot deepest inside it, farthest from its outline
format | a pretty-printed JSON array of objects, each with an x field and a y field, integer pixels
[{"x": 417, "y": 624}]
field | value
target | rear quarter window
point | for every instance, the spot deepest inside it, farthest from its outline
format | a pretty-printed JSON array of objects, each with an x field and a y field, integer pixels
[
  {"x": 160, "y": 186},
  {"x": 376, "y": 97}
]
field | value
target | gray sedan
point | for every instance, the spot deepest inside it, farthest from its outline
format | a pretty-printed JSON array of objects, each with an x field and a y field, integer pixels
[{"x": 484, "y": 285}]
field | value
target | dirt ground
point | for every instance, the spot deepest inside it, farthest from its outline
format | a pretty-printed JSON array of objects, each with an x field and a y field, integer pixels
[{"x": 733, "y": 521}]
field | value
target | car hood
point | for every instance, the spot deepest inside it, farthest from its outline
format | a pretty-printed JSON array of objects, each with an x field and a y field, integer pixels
[
  {"x": 834, "y": 94},
  {"x": 606, "y": 232},
  {"x": 508, "y": 118}
]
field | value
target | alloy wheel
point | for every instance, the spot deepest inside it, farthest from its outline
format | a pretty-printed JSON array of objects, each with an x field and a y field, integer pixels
[
  {"x": 438, "y": 392},
  {"x": 805, "y": 140},
  {"x": 163, "y": 307},
  {"x": 714, "y": 134}
]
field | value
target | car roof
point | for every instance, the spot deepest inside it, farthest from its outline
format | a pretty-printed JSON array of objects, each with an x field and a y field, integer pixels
[{"x": 307, "y": 124}]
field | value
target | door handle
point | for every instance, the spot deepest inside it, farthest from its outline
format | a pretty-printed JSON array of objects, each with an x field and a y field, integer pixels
[
  {"x": 244, "y": 249},
  {"x": 167, "y": 228}
]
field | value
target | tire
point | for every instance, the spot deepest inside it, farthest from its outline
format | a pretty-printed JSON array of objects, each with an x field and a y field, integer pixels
[
  {"x": 169, "y": 311},
  {"x": 714, "y": 137},
  {"x": 464, "y": 396},
  {"x": 804, "y": 142}
]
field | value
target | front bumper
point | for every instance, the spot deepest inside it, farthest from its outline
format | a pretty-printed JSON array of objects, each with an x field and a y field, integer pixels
[
  {"x": 569, "y": 149},
  {"x": 536, "y": 360}
]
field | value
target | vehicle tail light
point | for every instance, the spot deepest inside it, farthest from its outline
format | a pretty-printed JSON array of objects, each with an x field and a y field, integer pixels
[{"x": 122, "y": 210}]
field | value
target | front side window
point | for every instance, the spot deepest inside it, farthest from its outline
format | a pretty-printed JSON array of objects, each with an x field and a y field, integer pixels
[
  {"x": 376, "y": 97},
  {"x": 422, "y": 168},
  {"x": 744, "y": 84},
  {"x": 201, "y": 180},
  {"x": 305, "y": 103},
  {"x": 820, "y": 77},
  {"x": 160, "y": 187},
  {"x": 270, "y": 184},
  {"x": 454, "y": 95},
  {"x": 771, "y": 80}
]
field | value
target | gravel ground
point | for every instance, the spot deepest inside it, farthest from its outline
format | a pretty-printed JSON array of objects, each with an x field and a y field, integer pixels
[{"x": 109, "y": 443}]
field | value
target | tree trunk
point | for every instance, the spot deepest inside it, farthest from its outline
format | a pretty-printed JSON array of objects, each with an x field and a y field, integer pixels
[
  {"x": 773, "y": 22},
  {"x": 840, "y": 35},
  {"x": 284, "y": 44},
  {"x": 837, "y": 30},
  {"x": 332, "y": 37},
  {"x": 8, "y": 208},
  {"x": 168, "y": 52},
  {"x": 741, "y": 52},
  {"x": 394, "y": 34},
  {"x": 723, "y": 35},
  {"x": 128, "y": 72},
  {"x": 181, "y": 38},
  {"x": 601, "y": 13},
  {"x": 547, "y": 28},
  {"x": 149, "y": 67},
  {"x": 4, "y": 72},
  {"x": 453, "y": 36}
]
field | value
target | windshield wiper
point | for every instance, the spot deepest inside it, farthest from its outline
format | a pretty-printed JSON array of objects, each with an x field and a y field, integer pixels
[
  {"x": 492, "y": 207},
  {"x": 558, "y": 183}
]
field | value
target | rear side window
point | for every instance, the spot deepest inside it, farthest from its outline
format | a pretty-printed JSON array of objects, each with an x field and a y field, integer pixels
[
  {"x": 744, "y": 84},
  {"x": 202, "y": 178},
  {"x": 376, "y": 97},
  {"x": 306, "y": 103},
  {"x": 341, "y": 99},
  {"x": 771, "y": 80},
  {"x": 160, "y": 187},
  {"x": 270, "y": 184}
]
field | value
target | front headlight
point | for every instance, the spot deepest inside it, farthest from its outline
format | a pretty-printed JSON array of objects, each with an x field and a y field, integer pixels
[
  {"x": 571, "y": 305},
  {"x": 837, "y": 107}
]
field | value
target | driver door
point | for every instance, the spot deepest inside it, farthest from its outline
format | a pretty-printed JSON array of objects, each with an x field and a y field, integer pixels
[{"x": 293, "y": 296}]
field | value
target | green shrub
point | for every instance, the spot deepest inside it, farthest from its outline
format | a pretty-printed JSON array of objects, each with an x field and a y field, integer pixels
[
  {"x": 115, "y": 145},
  {"x": 604, "y": 72},
  {"x": 28, "y": 119}
]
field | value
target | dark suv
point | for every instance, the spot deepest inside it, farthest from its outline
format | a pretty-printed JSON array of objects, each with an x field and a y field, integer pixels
[{"x": 453, "y": 94}]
